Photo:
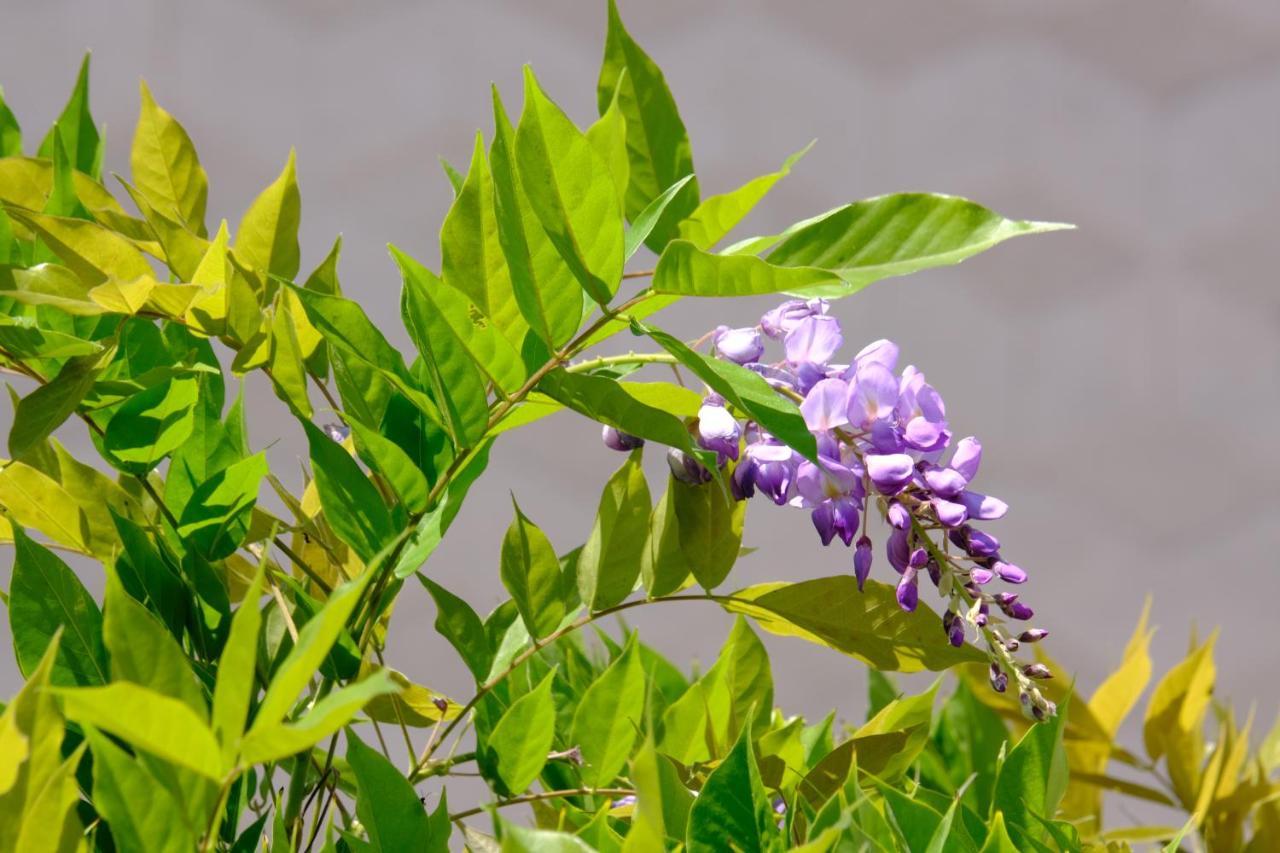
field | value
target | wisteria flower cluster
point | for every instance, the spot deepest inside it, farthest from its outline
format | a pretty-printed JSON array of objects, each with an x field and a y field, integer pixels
[{"x": 883, "y": 440}]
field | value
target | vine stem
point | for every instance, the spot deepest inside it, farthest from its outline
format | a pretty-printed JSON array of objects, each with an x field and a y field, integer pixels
[
  {"x": 537, "y": 646},
  {"x": 545, "y": 795},
  {"x": 629, "y": 358}
]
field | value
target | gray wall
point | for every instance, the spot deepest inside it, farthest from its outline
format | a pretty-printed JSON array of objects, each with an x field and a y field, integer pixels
[{"x": 1122, "y": 376}]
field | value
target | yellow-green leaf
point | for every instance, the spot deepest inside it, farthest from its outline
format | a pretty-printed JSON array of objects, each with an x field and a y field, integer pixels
[
  {"x": 165, "y": 166},
  {"x": 267, "y": 239}
]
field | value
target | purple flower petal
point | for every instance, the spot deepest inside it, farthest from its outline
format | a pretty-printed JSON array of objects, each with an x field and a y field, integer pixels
[
  {"x": 739, "y": 345},
  {"x": 898, "y": 515},
  {"x": 983, "y": 507},
  {"x": 873, "y": 395},
  {"x": 826, "y": 405},
  {"x": 1008, "y": 572},
  {"x": 814, "y": 340},
  {"x": 908, "y": 592},
  {"x": 616, "y": 439},
  {"x": 898, "y": 550},
  {"x": 882, "y": 351},
  {"x": 862, "y": 557},
  {"x": 890, "y": 472},
  {"x": 950, "y": 514},
  {"x": 945, "y": 482},
  {"x": 781, "y": 320},
  {"x": 967, "y": 457}
]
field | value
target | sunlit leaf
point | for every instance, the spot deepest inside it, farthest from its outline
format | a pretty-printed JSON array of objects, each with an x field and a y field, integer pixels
[
  {"x": 607, "y": 718},
  {"x": 530, "y": 571},
  {"x": 709, "y": 529},
  {"x": 519, "y": 743},
  {"x": 717, "y": 215},
  {"x": 387, "y": 805},
  {"x": 657, "y": 144},
  {"x": 610, "y": 561},
  {"x": 267, "y": 238},
  {"x": 571, "y": 190},
  {"x": 868, "y": 625},
  {"x": 732, "y": 811},
  {"x": 45, "y": 598},
  {"x": 75, "y": 126},
  {"x": 352, "y": 505},
  {"x": 165, "y": 166},
  {"x": 44, "y": 409}
]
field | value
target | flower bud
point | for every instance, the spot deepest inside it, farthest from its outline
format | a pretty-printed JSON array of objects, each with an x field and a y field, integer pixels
[
  {"x": 979, "y": 575},
  {"x": 741, "y": 346},
  {"x": 908, "y": 593},
  {"x": 982, "y": 544},
  {"x": 686, "y": 469},
  {"x": 442, "y": 704},
  {"x": 1011, "y": 645},
  {"x": 898, "y": 515},
  {"x": 337, "y": 432},
  {"x": 999, "y": 681},
  {"x": 1019, "y": 611},
  {"x": 1037, "y": 670},
  {"x": 1008, "y": 572},
  {"x": 1033, "y": 635},
  {"x": 616, "y": 439},
  {"x": 862, "y": 556}
]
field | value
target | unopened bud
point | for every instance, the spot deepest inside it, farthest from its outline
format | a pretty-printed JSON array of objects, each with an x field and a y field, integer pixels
[
  {"x": 616, "y": 439},
  {"x": 1033, "y": 635},
  {"x": 999, "y": 681},
  {"x": 1037, "y": 670}
]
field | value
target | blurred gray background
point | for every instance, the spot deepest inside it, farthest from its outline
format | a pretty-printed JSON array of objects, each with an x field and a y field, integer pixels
[{"x": 1123, "y": 377}]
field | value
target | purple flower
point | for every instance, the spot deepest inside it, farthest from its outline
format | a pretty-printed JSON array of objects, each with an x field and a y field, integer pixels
[
  {"x": 921, "y": 413},
  {"x": 862, "y": 560},
  {"x": 826, "y": 405},
  {"x": 337, "y": 432},
  {"x": 833, "y": 491},
  {"x": 899, "y": 516},
  {"x": 740, "y": 346},
  {"x": 770, "y": 467},
  {"x": 717, "y": 429},
  {"x": 883, "y": 352},
  {"x": 890, "y": 472},
  {"x": 908, "y": 591},
  {"x": 781, "y": 320},
  {"x": 873, "y": 396},
  {"x": 813, "y": 340},
  {"x": 616, "y": 439},
  {"x": 898, "y": 550}
]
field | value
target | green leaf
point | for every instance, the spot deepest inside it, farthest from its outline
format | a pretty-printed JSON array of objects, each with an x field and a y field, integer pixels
[
  {"x": 662, "y": 802},
  {"x": 216, "y": 519},
  {"x": 441, "y": 310},
  {"x": 868, "y": 625},
  {"x": 732, "y": 811},
  {"x": 43, "y": 410},
  {"x": 151, "y": 425},
  {"x": 608, "y": 716},
  {"x": 164, "y": 726},
  {"x": 894, "y": 235},
  {"x": 459, "y": 624},
  {"x": 471, "y": 252},
  {"x": 237, "y": 678},
  {"x": 94, "y": 253},
  {"x": 657, "y": 144},
  {"x": 998, "y": 840},
  {"x": 717, "y": 215},
  {"x": 663, "y": 567},
  {"x": 545, "y": 289},
  {"x": 571, "y": 190},
  {"x": 709, "y": 716},
  {"x": 709, "y": 529},
  {"x": 165, "y": 167},
  {"x": 351, "y": 503},
  {"x": 46, "y": 597},
  {"x": 314, "y": 642},
  {"x": 648, "y": 218},
  {"x": 387, "y": 805},
  {"x": 685, "y": 270},
  {"x": 746, "y": 391},
  {"x": 23, "y": 338},
  {"x": 139, "y": 808},
  {"x": 75, "y": 126},
  {"x": 611, "y": 402},
  {"x": 531, "y": 573},
  {"x": 143, "y": 651},
  {"x": 455, "y": 378},
  {"x": 610, "y": 560},
  {"x": 63, "y": 200},
  {"x": 10, "y": 132},
  {"x": 286, "y": 363},
  {"x": 429, "y": 532},
  {"x": 1033, "y": 777},
  {"x": 273, "y": 742},
  {"x": 828, "y": 776},
  {"x": 608, "y": 136},
  {"x": 914, "y": 819},
  {"x": 517, "y": 747},
  {"x": 388, "y": 459},
  {"x": 518, "y": 839},
  {"x": 267, "y": 239}
]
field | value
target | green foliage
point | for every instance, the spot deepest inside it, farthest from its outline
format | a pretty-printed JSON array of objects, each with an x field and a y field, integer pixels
[{"x": 202, "y": 698}]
